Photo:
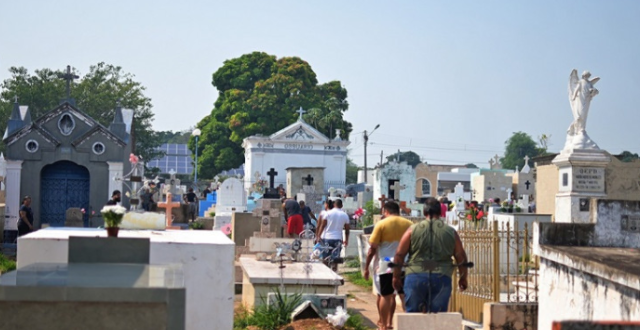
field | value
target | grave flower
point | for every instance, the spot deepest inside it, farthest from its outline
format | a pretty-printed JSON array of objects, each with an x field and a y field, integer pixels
[{"x": 113, "y": 215}]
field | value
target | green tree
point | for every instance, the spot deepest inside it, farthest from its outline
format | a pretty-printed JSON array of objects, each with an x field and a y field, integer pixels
[
  {"x": 96, "y": 93},
  {"x": 518, "y": 146},
  {"x": 471, "y": 165},
  {"x": 410, "y": 157},
  {"x": 627, "y": 156},
  {"x": 352, "y": 171},
  {"x": 257, "y": 94}
]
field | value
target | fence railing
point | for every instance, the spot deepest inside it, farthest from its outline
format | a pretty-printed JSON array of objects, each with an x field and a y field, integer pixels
[{"x": 505, "y": 269}]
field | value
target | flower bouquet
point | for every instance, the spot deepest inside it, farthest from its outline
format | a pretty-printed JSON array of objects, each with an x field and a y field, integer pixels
[{"x": 112, "y": 215}]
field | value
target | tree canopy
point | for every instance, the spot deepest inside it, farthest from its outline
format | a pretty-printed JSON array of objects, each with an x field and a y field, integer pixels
[
  {"x": 518, "y": 146},
  {"x": 96, "y": 93},
  {"x": 258, "y": 94},
  {"x": 410, "y": 157},
  {"x": 627, "y": 156}
]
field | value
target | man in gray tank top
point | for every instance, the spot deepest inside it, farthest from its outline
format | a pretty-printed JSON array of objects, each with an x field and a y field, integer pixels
[{"x": 431, "y": 244}]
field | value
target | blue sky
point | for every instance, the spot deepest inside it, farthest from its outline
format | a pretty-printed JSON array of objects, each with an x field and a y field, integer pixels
[{"x": 450, "y": 80}]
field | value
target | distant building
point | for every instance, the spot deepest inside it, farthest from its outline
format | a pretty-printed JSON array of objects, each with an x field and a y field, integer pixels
[{"x": 177, "y": 158}]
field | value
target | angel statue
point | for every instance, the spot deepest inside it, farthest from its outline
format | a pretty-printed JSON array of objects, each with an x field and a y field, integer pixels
[{"x": 581, "y": 92}]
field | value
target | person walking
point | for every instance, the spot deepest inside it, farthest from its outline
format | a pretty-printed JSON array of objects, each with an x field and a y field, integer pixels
[
  {"x": 25, "y": 223},
  {"x": 293, "y": 215},
  {"x": 307, "y": 214},
  {"x": 192, "y": 202},
  {"x": 383, "y": 244},
  {"x": 330, "y": 233},
  {"x": 430, "y": 244}
]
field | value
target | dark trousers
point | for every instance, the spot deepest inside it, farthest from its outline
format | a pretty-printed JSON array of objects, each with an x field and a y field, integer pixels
[{"x": 23, "y": 229}]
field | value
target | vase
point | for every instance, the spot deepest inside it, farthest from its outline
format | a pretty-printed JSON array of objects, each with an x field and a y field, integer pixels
[{"x": 112, "y": 231}]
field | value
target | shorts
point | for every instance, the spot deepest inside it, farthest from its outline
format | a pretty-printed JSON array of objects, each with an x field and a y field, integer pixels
[
  {"x": 331, "y": 248},
  {"x": 427, "y": 293},
  {"x": 385, "y": 284},
  {"x": 294, "y": 224}
]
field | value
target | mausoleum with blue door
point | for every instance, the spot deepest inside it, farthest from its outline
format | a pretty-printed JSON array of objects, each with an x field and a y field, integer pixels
[{"x": 64, "y": 159}]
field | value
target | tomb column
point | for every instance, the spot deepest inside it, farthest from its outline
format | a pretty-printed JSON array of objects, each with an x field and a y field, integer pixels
[
  {"x": 115, "y": 171},
  {"x": 581, "y": 177},
  {"x": 13, "y": 198}
]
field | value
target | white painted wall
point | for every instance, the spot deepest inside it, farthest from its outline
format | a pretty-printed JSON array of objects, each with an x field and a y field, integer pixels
[
  {"x": 207, "y": 258},
  {"x": 569, "y": 294}
]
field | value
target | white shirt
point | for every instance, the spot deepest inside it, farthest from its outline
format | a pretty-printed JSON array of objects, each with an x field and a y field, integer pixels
[{"x": 336, "y": 219}]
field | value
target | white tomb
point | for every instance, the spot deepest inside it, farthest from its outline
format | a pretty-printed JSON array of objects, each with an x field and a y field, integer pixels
[
  {"x": 297, "y": 145},
  {"x": 207, "y": 258},
  {"x": 231, "y": 198}
]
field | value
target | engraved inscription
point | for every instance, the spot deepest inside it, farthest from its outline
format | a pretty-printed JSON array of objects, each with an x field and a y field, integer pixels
[{"x": 588, "y": 179}]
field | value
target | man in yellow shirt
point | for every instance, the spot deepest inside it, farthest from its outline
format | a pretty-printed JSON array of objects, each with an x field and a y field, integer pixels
[{"x": 384, "y": 241}]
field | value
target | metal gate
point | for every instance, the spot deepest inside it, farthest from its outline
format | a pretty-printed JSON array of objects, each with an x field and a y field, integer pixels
[{"x": 63, "y": 185}]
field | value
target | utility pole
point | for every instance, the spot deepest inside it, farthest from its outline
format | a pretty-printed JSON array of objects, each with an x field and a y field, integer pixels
[{"x": 366, "y": 141}]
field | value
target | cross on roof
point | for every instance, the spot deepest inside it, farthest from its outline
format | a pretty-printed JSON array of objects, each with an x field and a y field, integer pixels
[
  {"x": 272, "y": 174},
  {"x": 300, "y": 111},
  {"x": 309, "y": 179},
  {"x": 526, "y": 159},
  {"x": 68, "y": 77},
  {"x": 16, "y": 98}
]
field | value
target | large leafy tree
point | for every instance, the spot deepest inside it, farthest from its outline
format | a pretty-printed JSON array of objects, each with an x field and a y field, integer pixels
[
  {"x": 257, "y": 94},
  {"x": 518, "y": 146},
  {"x": 96, "y": 93},
  {"x": 410, "y": 157}
]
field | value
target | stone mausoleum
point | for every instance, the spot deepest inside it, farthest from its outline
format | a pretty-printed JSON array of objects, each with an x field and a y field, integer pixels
[
  {"x": 295, "y": 146},
  {"x": 63, "y": 159}
]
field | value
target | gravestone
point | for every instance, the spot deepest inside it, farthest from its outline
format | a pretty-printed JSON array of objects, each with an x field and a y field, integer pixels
[
  {"x": 299, "y": 177},
  {"x": 231, "y": 198},
  {"x": 172, "y": 186},
  {"x": 169, "y": 205},
  {"x": 349, "y": 205},
  {"x": 459, "y": 196},
  {"x": 74, "y": 217},
  {"x": 365, "y": 196},
  {"x": 271, "y": 192}
]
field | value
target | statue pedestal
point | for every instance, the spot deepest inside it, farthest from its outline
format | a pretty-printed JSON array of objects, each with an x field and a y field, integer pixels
[{"x": 581, "y": 177}]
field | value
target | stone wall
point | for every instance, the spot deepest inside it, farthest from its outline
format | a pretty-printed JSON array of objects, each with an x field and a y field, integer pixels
[
  {"x": 583, "y": 296},
  {"x": 510, "y": 316},
  {"x": 546, "y": 189}
]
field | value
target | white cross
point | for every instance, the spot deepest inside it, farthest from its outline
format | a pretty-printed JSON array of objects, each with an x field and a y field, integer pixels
[
  {"x": 300, "y": 111},
  {"x": 396, "y": 190}
]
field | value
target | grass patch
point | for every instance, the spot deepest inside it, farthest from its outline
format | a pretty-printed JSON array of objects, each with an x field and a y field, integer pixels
[
  {"x": 355, "y": 321},
  {"x": 268, "y": 317},
  {"x": 6, "y": 264},
  {"x": 357, "y": 279},
  {"x": 353, "y": 263}
]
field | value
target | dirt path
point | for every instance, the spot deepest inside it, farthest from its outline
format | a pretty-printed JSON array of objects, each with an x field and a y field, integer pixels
[{"x": 360, "y": 300}]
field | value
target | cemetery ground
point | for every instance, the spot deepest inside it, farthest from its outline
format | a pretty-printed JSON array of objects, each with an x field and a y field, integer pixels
[{"x": 361, "y": 306}]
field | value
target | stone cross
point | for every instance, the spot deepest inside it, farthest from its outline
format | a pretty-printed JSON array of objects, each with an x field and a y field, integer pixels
[
  {"x": 491, "y": 163},
  {"x": 396, "y": 190},
  {"x": 527, "y": 184},
  {"x": 309, "y": 179},
  {"x": 300, "y": 111},
  {"x": 272, "y": 175},
  {"x": 168, "y": 205},
  {"x": 69, "y": 78},
  {"x": 16, "y": 98},
  {"x": 382, "y": 200},
  {"x": 526, "y": 159},
  {"x": 496, "y": 160},
  {"x": 457, "y": 197},
  {"x": 509, "y": 191}
]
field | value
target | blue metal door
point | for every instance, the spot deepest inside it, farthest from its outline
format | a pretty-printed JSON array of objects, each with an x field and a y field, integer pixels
[{"x": 63, "y": 185}]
